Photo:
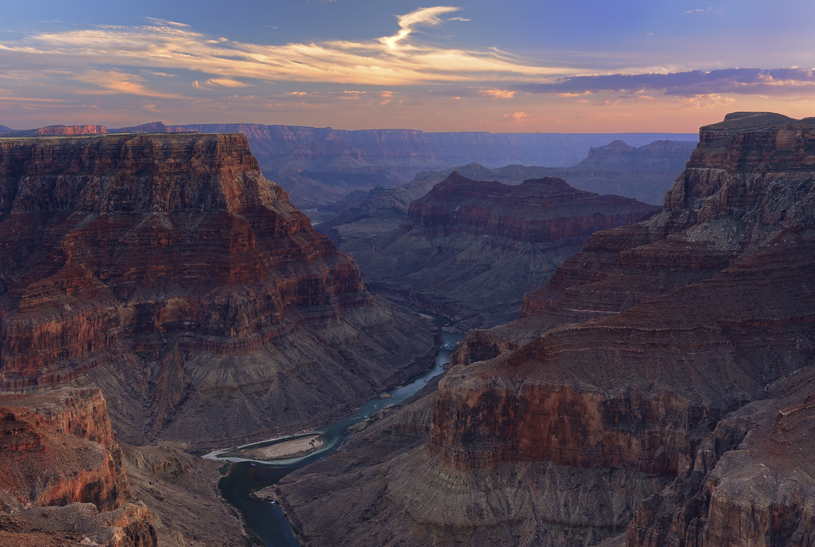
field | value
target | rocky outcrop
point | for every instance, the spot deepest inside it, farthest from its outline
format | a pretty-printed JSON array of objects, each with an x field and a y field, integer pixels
[
  {"x": 663, "y": 155},
  {"x": 469, "y": 249},
  {"x": 750, "y": 482},
  {"x": 62, "y": 474},
  {"x": 58, "y": 448},
  {"x": 181, "y": 492},
  {"x": 59, "y": 130},
  {"x": 677, "y": 349},
  {"x": 168, "y": 271}
]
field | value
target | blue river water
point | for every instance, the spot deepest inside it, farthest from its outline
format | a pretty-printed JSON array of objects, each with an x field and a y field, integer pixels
[{"x": 265, "y": 520}]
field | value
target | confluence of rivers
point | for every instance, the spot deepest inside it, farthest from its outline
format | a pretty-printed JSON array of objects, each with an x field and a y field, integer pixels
[{"x": 264, "y": 519}]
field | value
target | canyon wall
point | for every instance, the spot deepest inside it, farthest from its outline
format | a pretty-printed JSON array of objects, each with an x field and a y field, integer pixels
[
  {"x": 656, "y": 391},
  {"x": 469, "y": 249},
  {"x": 168, "y": 271},
  {"x": 62, "y": 477}
]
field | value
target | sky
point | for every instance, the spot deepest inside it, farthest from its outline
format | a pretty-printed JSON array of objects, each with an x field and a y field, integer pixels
[{"x": 520, "y": 66}]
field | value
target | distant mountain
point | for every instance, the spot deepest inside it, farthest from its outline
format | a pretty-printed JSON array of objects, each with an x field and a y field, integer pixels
[
  {"x": 73, "y": 130},
  {"x": 656, "y": 156},
  {"x": 318, "y": 166},
  {"x": 643, "y": 173},
  {"x": 469, "y": 249},
  {"x": 58, "y": 131}
]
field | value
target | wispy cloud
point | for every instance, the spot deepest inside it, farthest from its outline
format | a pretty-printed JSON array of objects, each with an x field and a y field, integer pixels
[
  {"x": 117, "y": 82},
  {"x": 163, "y": 46},
  {"x": 218, "y": 82},
  {"x": 704, "y": 10},
  {"x": 742, "y": 81},
  {"x": 518, "y": 116},
  {"x": 407, "y": 22},
  {"x": 498, "y": 93}
]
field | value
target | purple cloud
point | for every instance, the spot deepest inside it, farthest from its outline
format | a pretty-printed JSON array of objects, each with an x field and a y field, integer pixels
[{"x": 743, "y": 81}]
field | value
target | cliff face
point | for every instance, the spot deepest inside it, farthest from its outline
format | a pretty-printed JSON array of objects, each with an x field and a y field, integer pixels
[
  {"x": 669, "y": 308},
  {"x": 750, "y": 482},
  {"x": 470, "y": 249},
  {"x": 677, "y": 348},
  {"x": 169, "y": 271},
  {"x": 58, "y": 448},
  {"x": 58, "y": 452}
]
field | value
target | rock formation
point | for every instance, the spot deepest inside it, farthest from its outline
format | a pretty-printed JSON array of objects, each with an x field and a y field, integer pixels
[
  {"x": 168, "y": 271},
  {"x": 674, "y": 349},
  {"x": 669, "y": 156},
  {"x": 469, "y": 249},
  {"x": 62, "y": 477},
  {"x": 321, "y": 165},
  {"x": 643, "y": 173}
]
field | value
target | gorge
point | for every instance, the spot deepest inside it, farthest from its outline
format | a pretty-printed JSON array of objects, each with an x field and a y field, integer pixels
[
  {"x": 653, "y": 392},
  {"x": 159, "y": 298}
]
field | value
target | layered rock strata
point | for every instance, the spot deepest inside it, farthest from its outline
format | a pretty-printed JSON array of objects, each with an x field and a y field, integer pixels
[
  {"x": 674, "y": 349},
  {"x": 168, "y": 271},
  {"x": 469, "y": 249},
  {"x": 62, "y": 478}
]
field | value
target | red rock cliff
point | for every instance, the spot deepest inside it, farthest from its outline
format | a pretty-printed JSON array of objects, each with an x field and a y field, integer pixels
[
  {"x": 141, "y": 252},
  {"x": 62, "y": 477},
  {"x": 58, "y": 448},
  {"x": 638, "y": 345},
  {"x": 537, "y": 210}
]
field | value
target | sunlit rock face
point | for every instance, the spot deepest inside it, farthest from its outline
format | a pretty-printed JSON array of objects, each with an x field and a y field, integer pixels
[
  {"x": 678, "y": 348},
  {"x": 62, "y": 477},
  {"x": 167, "y": 270}
]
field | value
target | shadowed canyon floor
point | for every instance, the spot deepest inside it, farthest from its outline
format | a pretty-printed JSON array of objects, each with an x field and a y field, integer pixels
[{"x": 657, "y": 386}]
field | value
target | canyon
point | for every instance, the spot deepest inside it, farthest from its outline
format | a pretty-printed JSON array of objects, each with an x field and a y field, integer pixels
[
  {"x": 319, "y": 166},
  {"x": 657, "y": 390},
  {"x": 469, "y": 250},
  {"x": 160, "y": 297}
]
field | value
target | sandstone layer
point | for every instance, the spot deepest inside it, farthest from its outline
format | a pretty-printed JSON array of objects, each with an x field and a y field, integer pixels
[
  {"x": 469, "y": 249},
  {"x": 676, "y": 349},
  {"x": 169, "y": 272},
  {"x": 63, "y": 480}
]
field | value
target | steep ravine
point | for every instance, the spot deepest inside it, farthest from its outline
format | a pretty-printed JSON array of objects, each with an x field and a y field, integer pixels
[{"x": 658, "y": 386}]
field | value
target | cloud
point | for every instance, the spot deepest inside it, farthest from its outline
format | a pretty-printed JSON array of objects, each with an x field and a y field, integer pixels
[
  {"x": 741, "y": 81},
  {"x": 708, "y": 10},
  {"x": 459, "y": 19},
  {"x": 422, "y": 16},
  {"x": 710, "y": 100},
  {"x": 165, "y": 46},
  {"x": 518, "y": 116},
  {"x": 498, "y": 93},
  {"x": 165, "y": 22},
  {"x": 117, "y": 82}
]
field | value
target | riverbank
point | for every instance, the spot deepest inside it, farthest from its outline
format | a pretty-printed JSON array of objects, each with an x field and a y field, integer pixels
[
  {"x": 278, "y": 449},
  {"x": 246, "y": 484}
]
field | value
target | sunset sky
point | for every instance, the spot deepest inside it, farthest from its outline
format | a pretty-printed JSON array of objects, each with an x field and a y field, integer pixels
[{"x": 512, "y": 66}]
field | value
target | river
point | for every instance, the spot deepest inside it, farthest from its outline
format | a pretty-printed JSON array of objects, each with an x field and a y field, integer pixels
[{"x": 264, "y": 519}]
